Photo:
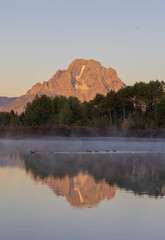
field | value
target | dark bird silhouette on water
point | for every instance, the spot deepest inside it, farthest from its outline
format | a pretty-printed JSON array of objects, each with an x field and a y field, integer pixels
[
  {"x": 51, "y": 151},
  {"x": 107, "y": 150},
  {"x": 89, "y": 150},
  {"x": 96, "y": 150},
  {"x": 114, "y": 150},
  {"x": 32, "y": 152}
]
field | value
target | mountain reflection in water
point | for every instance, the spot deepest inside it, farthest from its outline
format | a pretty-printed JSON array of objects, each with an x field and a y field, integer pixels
[
  {"x": 81, "y": 190},
  {"x": 86, "y": 180}
]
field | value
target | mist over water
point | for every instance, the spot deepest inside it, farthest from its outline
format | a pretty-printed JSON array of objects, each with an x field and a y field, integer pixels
[
  {"x": 94, "y": 194},
  {"x": 61, "y": 144}
]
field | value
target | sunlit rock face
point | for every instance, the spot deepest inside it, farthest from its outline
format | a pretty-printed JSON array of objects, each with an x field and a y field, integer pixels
[
  {"x": 80, "y": 191},
  {"x": 83, "y": 79}
]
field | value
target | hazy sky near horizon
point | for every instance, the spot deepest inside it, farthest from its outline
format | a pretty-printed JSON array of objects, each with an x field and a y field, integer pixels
[{"x": 38, "y": 37}]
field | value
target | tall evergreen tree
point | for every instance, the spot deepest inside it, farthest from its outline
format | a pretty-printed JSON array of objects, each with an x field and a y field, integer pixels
[
  {"x": 39, "y": 111},
  {"x": 160, "y": 113},
  {"x": 65, "y": 115}
]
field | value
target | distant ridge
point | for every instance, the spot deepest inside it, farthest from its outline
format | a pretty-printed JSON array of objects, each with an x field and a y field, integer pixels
[
  {"x": 5, "y": 101},
  {"x": 83, "y": 79}
]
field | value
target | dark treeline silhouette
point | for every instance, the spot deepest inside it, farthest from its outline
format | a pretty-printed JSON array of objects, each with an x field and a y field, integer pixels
[{"x": 134, "y": 107}]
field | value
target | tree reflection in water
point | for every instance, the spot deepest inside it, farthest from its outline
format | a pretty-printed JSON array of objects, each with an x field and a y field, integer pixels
[{"x": 87, "y": 179}]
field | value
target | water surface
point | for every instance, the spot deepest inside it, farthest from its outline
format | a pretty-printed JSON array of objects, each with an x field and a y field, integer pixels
[{"x": 62, "y": 191}]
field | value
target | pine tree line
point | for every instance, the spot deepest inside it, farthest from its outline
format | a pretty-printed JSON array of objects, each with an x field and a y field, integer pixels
[{"x": 139, "y": 106}]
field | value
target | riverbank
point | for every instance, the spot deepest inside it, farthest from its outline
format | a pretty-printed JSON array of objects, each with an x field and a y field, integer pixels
[{"x": 74, "y": 131}]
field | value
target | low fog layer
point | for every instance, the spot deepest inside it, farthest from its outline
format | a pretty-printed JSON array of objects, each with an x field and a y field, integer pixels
[{"x": 83, "y": 145}]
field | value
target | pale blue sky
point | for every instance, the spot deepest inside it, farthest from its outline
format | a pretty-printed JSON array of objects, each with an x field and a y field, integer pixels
[{"x": 38, "y": 37}]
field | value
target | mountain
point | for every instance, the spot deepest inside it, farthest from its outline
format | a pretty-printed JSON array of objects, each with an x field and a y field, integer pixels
[
  {"x": 5, "y": 101},
  {"x": 83, "y": 79}
]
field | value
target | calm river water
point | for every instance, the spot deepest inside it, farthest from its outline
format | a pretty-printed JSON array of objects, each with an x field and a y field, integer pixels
[{"x": 86, "y": 188}]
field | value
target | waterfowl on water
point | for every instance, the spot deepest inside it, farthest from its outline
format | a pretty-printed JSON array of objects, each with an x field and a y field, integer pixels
[
  {"x": 114, "y": 150},
  {"x": 96, "y": 150},
  {"x": 32, "y": 152},
  {"x": 107, "y": 150},
  {"x": 89, "y": 150}
]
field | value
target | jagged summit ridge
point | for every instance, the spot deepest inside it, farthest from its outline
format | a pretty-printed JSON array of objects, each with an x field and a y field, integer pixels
[{"x": 83, "y": 79}]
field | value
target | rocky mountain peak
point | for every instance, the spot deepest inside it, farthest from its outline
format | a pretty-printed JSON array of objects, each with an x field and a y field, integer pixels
[{"x": 83, "y": 79}]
